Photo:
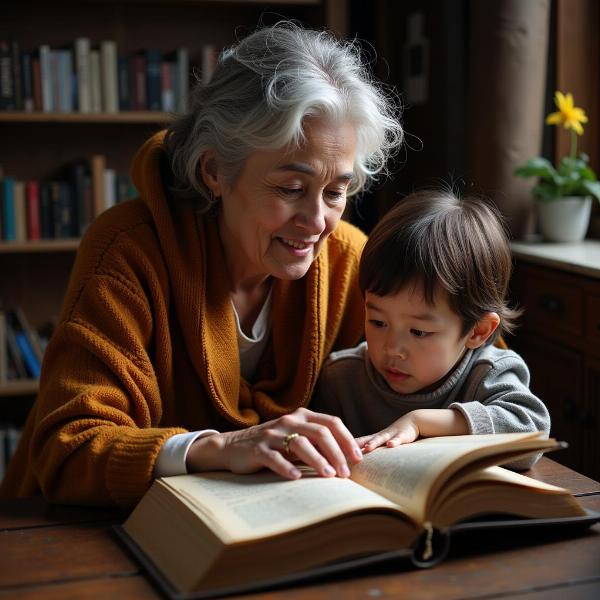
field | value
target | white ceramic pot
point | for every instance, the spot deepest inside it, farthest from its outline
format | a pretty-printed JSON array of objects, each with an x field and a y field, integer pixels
[{"x": 564, "y": 219}]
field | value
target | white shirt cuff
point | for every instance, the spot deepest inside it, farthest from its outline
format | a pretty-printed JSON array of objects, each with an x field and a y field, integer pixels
[{"x": 172, "y": 455}]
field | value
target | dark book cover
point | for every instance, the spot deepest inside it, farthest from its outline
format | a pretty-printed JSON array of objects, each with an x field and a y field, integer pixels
[
  {"x": 64, "y": 211},
  {"x": 27, "y": 81},
  {"x": 7, "y": 91},
  {"x": 32, "y": 199},
  {"x": 124, "y": 84},
  {"x": 137, "y": 68},
  {"x": 82, "y": 197},
  {"x": 46, "y": 210},
  {"x": 16, "y": 74},
  {"x": 153, "y": 87}
]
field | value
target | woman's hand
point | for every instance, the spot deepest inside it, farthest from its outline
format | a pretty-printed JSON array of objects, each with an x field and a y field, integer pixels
[{"x": 322, "y": 442}]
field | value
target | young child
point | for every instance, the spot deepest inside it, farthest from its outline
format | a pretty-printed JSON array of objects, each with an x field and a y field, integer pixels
[{"x": 434, "y": 274}]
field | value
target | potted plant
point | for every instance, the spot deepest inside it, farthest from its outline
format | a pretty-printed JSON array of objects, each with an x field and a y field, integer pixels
[{"x": 564, "y": 194}]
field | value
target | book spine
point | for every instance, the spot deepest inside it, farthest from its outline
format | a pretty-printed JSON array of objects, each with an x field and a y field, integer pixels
[
  {"x": 36, "y": 71},
  {"x": 7, "y": 93},
  {"x": 124, "y": 83},
  {"x": 82, "y": 69},
  {"x": 20, "y": 211},
  {"x": 183, "y": 79},
  {"x": 32, "y": 335},
  {"x": 95, "y": 85},
  {"x": 14, "y": 354},
  {"x": 98, "y": 165},
  {"x": 153, "y": 94},
  {"x": 16, "y": 75},
  {"x": 55, "y": 79},
  {"x": 138, "y": 76},
  {"x": 66, "y": 80},
  {"x": 64, "y": 213},
  {"x": 167, "y": 100},
  {"x": 32, "y": 366},
  {"x": 78, "y": 187},
  {"x": 32, "y": 192},
  {"x": 27, "y": 79},
  {"x": 109, "y": 77},
  {"x": 8, "y": 209},
  {"x": 46, "y": 221},
  {"x": 110, "y": 188},
  {"x": 46, "y": 78}
]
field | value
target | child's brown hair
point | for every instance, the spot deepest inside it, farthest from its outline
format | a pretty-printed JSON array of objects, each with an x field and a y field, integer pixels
[{"x": 438, "y": 241}]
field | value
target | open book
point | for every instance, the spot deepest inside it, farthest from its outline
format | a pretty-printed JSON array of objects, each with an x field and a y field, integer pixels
[{"x": 221, "y": 532}]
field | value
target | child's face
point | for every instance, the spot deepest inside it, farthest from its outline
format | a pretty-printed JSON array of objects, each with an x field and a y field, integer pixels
[{"x": 413, "y": 344}]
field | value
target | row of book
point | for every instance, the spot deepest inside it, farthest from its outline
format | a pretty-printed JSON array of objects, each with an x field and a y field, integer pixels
[
  {"x": 62, "y": 208},
  {"x": 9, "y": 438},
  {"x": 21, "y": 346},
  {"x": 86, "y": 78}
]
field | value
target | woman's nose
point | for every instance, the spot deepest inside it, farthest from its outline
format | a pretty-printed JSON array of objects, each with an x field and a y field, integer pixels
[{"x": 311, "y": 215}]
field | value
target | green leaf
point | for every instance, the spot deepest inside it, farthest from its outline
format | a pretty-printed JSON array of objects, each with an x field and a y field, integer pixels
[
  {"x": 593, "y": 188},
  {"x": 536, "y": 167}
]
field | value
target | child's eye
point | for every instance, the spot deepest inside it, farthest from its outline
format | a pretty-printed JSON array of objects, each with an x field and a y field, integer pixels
[
  {"x": 419, "y": 333},
  {"x": 376, "y": 323}
]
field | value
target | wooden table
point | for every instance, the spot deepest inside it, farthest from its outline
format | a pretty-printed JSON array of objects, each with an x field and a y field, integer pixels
[{"x": 71, "y": 552}]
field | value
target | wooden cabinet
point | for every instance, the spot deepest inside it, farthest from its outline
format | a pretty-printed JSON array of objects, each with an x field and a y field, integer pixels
[
  {"x": 36, "y": 146},
  {"x": 559, "y": 337}
]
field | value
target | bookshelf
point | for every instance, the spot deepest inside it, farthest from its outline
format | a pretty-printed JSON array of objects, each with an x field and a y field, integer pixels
[{"x": 37, "y": 145}]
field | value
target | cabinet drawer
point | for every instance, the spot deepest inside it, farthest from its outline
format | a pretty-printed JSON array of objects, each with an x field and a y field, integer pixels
[
  {"x": 592, "y": 319},
  {"x": 553, "y": 305}
]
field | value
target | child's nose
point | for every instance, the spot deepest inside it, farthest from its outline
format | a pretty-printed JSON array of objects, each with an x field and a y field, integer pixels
[{"x": 395, "y": 347}]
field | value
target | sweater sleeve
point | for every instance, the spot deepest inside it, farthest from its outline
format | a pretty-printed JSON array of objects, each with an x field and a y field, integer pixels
[
  {"x": 97, "y": 434},
  {"x": 498, "y": 400}
]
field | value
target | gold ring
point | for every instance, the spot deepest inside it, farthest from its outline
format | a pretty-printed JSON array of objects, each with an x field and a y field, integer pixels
[{"x": 286, "y": 441}]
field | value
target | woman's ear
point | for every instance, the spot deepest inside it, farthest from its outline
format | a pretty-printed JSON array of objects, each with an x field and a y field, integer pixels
[
  {"x": 482, "y": 330},
  {"x": 209, "y": 169}
]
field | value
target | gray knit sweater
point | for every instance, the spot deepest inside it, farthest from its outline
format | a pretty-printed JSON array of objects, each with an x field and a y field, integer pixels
[{"x": 490, "y": 387}]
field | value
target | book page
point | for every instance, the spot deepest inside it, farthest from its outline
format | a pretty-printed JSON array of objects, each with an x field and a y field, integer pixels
[
  {"x": 406, "y": 474},
  {"x": 246, "y": 507}
]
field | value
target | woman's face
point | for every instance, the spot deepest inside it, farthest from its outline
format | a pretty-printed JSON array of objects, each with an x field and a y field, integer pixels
[{"x": 284, "y": 204}]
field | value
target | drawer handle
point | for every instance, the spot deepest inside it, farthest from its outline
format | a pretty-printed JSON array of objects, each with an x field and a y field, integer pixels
[{"x": 551, "y": 304}]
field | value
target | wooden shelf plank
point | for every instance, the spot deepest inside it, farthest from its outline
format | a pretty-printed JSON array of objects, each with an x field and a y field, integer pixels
[
  {"x": 120, "y": 117},
  {"x": 25, "y": 387},
  {"x": 58, "y": 245}
]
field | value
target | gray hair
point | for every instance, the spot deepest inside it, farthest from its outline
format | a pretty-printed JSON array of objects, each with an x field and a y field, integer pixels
[{"x": 261, "y": 91}]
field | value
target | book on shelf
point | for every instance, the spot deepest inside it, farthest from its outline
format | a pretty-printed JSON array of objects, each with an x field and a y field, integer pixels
[
  {"x": 109, "y": 79},
  {"x": 7, "y": 90},
  {"x": 216, "y": 533},
  {"x": 20, "y": 211},
  {"x": 83, "y": 74},
  {"x": 93, "y": 78},
  {"x": 64, "y": 208},
  {"x": 23, "y": 342},
  {"x": 7, "y": 201},
  {"x": 9, "y": 438}
]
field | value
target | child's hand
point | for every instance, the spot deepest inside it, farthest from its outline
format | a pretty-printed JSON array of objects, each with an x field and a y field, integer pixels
[
  {"x": 424, "y": 422},
  {"x": 402, "y": 431}
]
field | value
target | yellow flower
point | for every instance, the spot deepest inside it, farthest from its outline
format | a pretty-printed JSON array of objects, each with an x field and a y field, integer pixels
[{"x": 569, "y": 115}]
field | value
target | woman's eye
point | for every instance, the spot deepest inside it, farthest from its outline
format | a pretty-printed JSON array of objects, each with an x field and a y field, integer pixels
[
  {"x": 286, "y": 191},
  {"x": 335, "y": 194},
  {"x": 419, "y": 333}
]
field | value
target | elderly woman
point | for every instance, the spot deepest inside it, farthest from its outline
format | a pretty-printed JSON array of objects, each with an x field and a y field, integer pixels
[{"x": 198, "y": 316}]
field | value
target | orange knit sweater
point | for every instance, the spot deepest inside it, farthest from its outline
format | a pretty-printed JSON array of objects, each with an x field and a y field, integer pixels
[{"x": 146, "y": 347}]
